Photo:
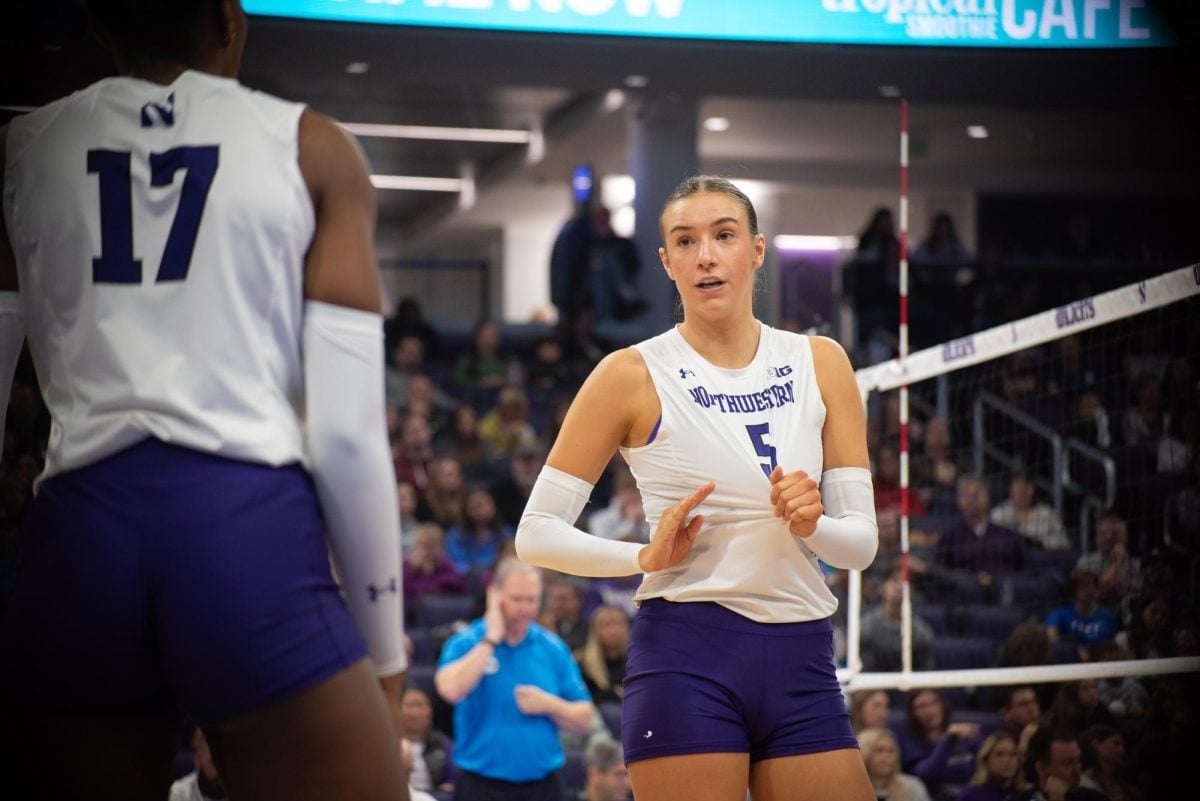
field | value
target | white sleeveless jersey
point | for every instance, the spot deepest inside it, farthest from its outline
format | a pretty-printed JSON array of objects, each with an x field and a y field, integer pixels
[
  {"x": 160, "y": 234},
  {"x": 732, "y": 427}
]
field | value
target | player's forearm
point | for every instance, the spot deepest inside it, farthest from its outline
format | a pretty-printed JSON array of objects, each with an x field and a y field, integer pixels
[{"x": 352, "y": 470}]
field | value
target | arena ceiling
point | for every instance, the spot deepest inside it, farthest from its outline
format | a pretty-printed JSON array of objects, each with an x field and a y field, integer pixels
[{"x": 516, "y": 81}]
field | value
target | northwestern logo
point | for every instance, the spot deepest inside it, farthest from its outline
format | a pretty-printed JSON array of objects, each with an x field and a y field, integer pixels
[
  {"x": 1074, "y": 313},
  {"x": 779, "y": 372},
  {"x": 770, "y": 398},
  {"x": 163, "y": 114},
  {"x": 1196, "y": 273},
  {"x": 957, "y": 349},
  {"x": 1142, "y": 291},
  {"x": 374, "y": 592},
  {"x": 685, "y": 373}
]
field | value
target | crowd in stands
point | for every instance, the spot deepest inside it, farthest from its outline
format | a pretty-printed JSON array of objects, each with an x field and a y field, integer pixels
[{"x": 998, "y": 575}]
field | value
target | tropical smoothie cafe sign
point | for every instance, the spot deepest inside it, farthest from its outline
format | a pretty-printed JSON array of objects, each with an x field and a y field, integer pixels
[{"x": 962, "y": 23}]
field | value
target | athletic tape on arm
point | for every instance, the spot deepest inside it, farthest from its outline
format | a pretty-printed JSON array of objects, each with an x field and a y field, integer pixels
[
  {"x": 352, "y": 469},
  {"x": 847, "y": 535},
  {"x": 11, "y": 337},
  {"x": 547, "y": 536}
]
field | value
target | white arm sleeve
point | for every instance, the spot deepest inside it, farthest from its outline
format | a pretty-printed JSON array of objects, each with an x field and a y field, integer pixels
[
  {"x": 847, "y": 534},
  {"x": 352, "y": 470},
  {"x": 11, "y": 337},
  {"x": 547, "y": 536}
]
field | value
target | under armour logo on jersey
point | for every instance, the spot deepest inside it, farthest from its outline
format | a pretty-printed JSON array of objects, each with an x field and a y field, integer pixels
[
  {"x": 159, "y": 115},
  {"x": 685, "y": 373},
  {"x": 374, "y": 592},
  {"x": 648, "y": 734},
  {"x": 779, "y": 372}
]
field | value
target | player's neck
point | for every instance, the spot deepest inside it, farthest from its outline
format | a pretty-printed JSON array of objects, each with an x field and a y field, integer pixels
[
  {"x": 166, "y": 71},
  {"x": 731, "y": 344}
]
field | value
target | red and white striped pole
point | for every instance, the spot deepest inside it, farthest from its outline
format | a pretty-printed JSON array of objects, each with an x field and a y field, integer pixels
[{"x": 906, "y": 601}]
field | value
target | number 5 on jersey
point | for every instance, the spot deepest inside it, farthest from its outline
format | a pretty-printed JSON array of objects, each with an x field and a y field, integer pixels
[
  {"x": 760, "y": 436},
  {"x": 116, "y": 263}
]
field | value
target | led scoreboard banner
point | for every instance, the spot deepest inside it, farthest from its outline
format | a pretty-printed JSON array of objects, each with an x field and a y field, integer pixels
[{"x": 953, "y": 23}]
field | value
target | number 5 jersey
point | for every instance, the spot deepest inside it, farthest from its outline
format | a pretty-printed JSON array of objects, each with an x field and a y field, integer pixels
[
  {"x": 160, "y": 234},
  {"x": 732, "y": 427}
]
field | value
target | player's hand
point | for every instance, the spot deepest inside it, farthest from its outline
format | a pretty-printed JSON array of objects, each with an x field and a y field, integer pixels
[
  {"x": 493, "y": 616},
  {"x": 532, "y": 700},
  {"x": 672, "y": 540},
  {"x": 797, "y": 500}
]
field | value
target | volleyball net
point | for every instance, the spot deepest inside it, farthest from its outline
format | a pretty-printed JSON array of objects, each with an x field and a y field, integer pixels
[{"x": 1075, "y": 428}]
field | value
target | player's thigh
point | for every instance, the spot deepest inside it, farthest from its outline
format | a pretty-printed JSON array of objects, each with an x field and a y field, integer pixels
[
  {"x": 695, "y": 777},
  {"x": 334, "y": 740},
  {"x": 837, "y": 774}
]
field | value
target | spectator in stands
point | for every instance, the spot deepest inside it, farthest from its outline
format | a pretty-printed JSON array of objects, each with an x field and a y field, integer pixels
[
  {"x": 623, "y": 518},
  {"x": 887, "y": 482},
  {"x": 873, "y": 276},
  {"x": 203, "y": 783},
  {"x": 1145, "y": 423},
  {"x": 424, "y": 398},
  {"x": 1091, "y": 424},
  {"x": 880, "y": 632},
  {"x": 562, "y": 612},
  {"x": 432, "y": 768},
  {"x": 474, "y": 546},
  {"x": 881, "y": 754},
  {"x": 506, "y": 426},
  {"x": 988, "y": 290},
  {"x": 583, "y": 349},
  {"x": 607, "y": 776},
  {"x": 446, "y": 495},
  {"x": 604, "y": 654},
  {"x": 1182, "y": 522},
  {"x": 461, "y": 440},
  {"x": 1180, "y": 441},
  {"x": 996, "y": 770},
  {"x": 1104, "y": 763},
  {"x": 869, "y": 710},
  {"x": 1077, "y": 706},
  {"x": 1054, "y": 766},
  {"x": 480, "y": 371},
  {"x": 1027, "y": 646},
  {"x": 1020, "y": 712},
  {"x": 1069, "y": 375},
  {"x": 976, "y": 546},
  {"x": 1125, "y": 696},
  {"x": 1083, "y": 620},
  {"x": 427, "y": 570},
  {"x": 1149, "y": 635},
  {"x": 408, "y": 320},
  {"x": 514, "y": 685},
  {"x": 936, "y": 470},
  {"x": 1037, "y": 522},
  {"x": 1120, "y": 574},
  {"x": 512, "y": 490},
  {"x": 413, "y": 455},
  {"x": 548, "y": 372},
  {"x": 941, "y": 245},
  {"x": 407, "y": 501},
  {"x": 408, "y": 357},
  {"x": 941, "y": 753}
]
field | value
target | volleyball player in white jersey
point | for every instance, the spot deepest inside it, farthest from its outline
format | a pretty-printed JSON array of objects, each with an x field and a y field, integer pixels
[
  {"x": 749, "y": 448},
  {"x": 193, "y": 262}
]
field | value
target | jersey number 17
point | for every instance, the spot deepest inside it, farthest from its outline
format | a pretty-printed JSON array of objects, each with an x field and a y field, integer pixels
[{"x": 116, "y": 263}]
